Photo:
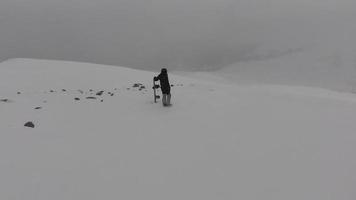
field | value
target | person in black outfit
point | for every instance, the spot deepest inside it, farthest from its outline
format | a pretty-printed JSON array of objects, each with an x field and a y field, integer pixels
[{"x": 165, "y": 87}]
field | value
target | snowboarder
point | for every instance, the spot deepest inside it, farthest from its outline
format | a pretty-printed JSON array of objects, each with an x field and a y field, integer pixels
[{"x": 165, "y": 87}]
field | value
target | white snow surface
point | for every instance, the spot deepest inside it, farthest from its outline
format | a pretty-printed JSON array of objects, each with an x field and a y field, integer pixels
[{"x": 218, "y": 141}]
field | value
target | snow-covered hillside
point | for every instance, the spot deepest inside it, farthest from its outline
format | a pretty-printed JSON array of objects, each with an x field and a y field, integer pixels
[
  {"x": 217, "y": 141},
  {"x": 327, "y": 59}
]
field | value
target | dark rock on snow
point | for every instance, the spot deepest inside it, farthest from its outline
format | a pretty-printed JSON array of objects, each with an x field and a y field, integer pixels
[
  {"x": 137, "y": 85},
  {"x": 100, "y": 93},
  {"x": 30, "y": 125},
  {"x": 76, "y": 98},
  {"x": 91, "y": 97},
  {"x": 37, "y": 108}
]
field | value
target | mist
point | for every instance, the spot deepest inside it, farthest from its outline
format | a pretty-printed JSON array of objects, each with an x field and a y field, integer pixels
[{"x": 178, "y": 34}]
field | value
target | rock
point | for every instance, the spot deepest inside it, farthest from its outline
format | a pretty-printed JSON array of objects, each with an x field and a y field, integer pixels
[
  {"x": 5, "y": 100},
  {"x": 99, "y": 93},
  {"x": 18, "y": 92},
  {"x": 64, "y": 90},
  {"x": 76, "y": 98},
  {"x": 37, "y": 108},
  {"x": 137, "y": 85},
  {"x": 30, "y": 125},
  {"x": 102, "y": 101},
  {"x": 91, "y": 98},
  {"x": 51, "y": 91}
]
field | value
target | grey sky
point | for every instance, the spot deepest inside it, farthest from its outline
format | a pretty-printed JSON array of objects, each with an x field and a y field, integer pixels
[{"x": 185, "y": 34}]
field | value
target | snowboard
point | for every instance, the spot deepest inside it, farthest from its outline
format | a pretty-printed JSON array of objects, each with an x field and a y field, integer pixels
[{"x": 155, "y": 86}]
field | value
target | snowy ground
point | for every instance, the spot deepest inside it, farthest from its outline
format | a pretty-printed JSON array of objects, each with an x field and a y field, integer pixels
[{"x": 217, "y": 141}]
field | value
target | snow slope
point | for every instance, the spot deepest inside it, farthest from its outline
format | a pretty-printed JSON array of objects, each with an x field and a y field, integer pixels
[
  {"x": 217, "y": 141},
  {"x": 330, "y": 65},
  {"x": 324, "y": 57}
]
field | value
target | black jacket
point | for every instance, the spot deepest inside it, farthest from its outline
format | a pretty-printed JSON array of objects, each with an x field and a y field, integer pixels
[{"x": 165, "y": 86}]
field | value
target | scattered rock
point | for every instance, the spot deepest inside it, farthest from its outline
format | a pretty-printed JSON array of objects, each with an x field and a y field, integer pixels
[
  {"x": 5, "y": 100},
  {"x": 18, "y": 92},
  {"x": 91, "y": 98},
  {"x": 112, "y": 94},
  {"x": 64, "y": 90},
  {"x": 172, "y": 85},
  {"x": 102, "y": 101},
  {"x": 30, "y": 125},
  {"x": 51, "y": 91},
  {"x": 136, "y": 85},
  {"x": 99, "y": 93},
  {"x": 76, "y": 98},
  {"x": 37, "y": 108},
  {"x": 90, "y": 90}
]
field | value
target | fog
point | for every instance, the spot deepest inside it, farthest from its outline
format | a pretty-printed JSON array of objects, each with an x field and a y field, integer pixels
[{"x": 180, "y": 34}]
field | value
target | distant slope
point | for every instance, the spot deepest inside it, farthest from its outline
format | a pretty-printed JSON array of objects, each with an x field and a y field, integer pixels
[
  {"x": 217, "y": 141},
  {"x": 327, "y": 61}
]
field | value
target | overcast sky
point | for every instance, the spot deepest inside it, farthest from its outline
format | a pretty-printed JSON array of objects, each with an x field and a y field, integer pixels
[{"x": 184, "y": 34}]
